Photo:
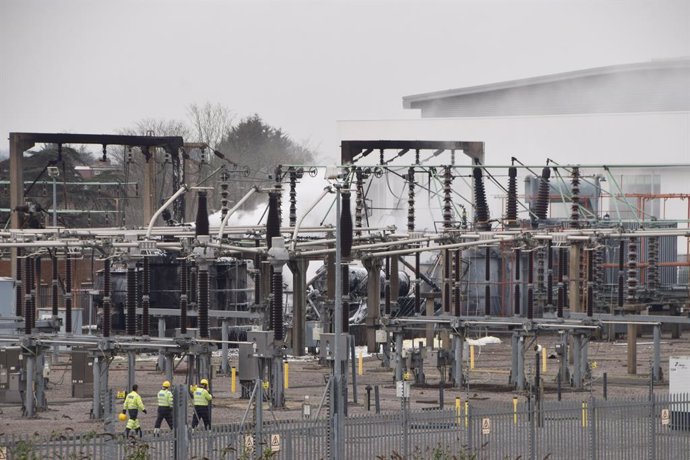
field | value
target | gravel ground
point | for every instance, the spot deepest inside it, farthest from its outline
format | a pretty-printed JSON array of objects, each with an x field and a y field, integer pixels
[{"x": 488, "y": 382}]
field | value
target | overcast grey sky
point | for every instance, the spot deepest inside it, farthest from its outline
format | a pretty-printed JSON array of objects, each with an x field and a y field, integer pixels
[{"x": 98, "y": 66}]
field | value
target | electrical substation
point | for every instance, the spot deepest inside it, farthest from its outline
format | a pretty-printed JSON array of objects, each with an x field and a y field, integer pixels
[{"x": 568, "y": 257}]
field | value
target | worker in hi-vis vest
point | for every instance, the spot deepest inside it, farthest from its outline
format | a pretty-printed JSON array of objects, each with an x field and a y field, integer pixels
[
  {"x": 165, "y": 408},
  {"x": 133, "y": 404},
  {"x": 202, "y": 399}
]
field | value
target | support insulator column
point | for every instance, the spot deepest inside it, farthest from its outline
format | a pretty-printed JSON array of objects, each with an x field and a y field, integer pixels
[
  {"x": 561, "y": 285},
  {"x": 458, "y": 275},
  {"x": 184, "y": 287},
  {"x": 517, "y": 295},
  {"x": 541, "y": 289},
  {"x": 530, "y": 285},
  {"x": 106, "y": 299},
  {"x": 277, "y": 304},
  {"x": 19, "y": 299},
  {"x": 590, "y": 283},
  {"x": 28, "y": 311},
  {"x": 549, "y": 276},
  {"x": 575, "y": 206},
  {"x": 131, "y": 317},
  {"x": 204, "y": 299},
  {"x": 54, "y": 286},
  {"x": 68, "y": 294},
  {"x": 145, "y": 299},
  {"x": 410, "y": 199},
  {"x": 487, "y": 279}
]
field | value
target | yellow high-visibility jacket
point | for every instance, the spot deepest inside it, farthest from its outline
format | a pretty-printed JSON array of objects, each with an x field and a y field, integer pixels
[
  {"x": 133, "y": 401},
  {"x": 202, "y": 397}
]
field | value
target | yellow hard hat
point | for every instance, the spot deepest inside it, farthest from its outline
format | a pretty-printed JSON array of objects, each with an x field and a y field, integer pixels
[
  {"x": 122, "y": 417},
  {"x": 204, "y": 382},
  {"x": 166, "y": 384}
]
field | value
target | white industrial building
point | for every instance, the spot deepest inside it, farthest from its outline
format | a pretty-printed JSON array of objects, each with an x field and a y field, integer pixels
[{"x": 635, "y": 114}]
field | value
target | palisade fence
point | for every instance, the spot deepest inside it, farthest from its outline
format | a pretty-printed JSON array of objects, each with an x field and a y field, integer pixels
[{"x": 657, "y": 428}]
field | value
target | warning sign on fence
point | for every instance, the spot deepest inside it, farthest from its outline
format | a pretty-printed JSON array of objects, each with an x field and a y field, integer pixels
[
  {"x": 665, "y": 417},
  {"x": 275, "y": 443},
  {"x": 486, "y": 425},
  {"x": 249, "y": 442}
]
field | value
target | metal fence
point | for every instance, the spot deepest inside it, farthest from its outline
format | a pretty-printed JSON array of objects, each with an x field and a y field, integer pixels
[{"x": 656, "y": 428}]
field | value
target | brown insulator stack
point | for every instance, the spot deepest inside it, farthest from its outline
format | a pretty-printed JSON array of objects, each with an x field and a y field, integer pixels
[
  {"x": 410, "y": 199},
  {"x": 202, "y": 225},
  {"x": 541, "y": 206},
  {"x": 346, "y": 225},
  {"x": 224, "y": 192},
  {"x": 511, "y": 203},
  {"x": 273, "y": 218},
  {"x": 599, "y": 275},
  {"x": 632, "y": 270},
  {"x": 447, "y": 197},
  {"x": 359, "y": 200},
  {"x": 481, "y": 215},
  {"x": 293, "y": 196},
  {"x": 575, "y": 206},
  {"x": 653, "y": 282}
]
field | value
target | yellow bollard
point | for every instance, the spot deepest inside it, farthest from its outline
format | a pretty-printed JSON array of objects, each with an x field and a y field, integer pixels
[
  {"x": 471, "y": 356},
  {"x": 286, "y": 371},
  {"x": 360, "y": 364},
  {"x": 515, "y": 404},
  {"x": 233, "y": 379},
  {"x": 584, "y": 414},
  {"x": 458, "y": 410},
  {"x": 543, "y": 359},
  {"x": 467, "y": 410}
]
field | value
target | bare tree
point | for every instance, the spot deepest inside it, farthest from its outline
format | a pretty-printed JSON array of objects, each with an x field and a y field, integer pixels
[{"x": 210, "y": 122}]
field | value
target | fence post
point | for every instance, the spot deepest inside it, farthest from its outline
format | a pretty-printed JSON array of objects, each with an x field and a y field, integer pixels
[
  {"x": 652, "y": 428},
  {"x": 592, "y": 429},
  {"x": 406, "y": 429},
  {"x": 180, "y": 422},
  {"x": 468, "y": 426},
  {"x": 532, "y": 429}
]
